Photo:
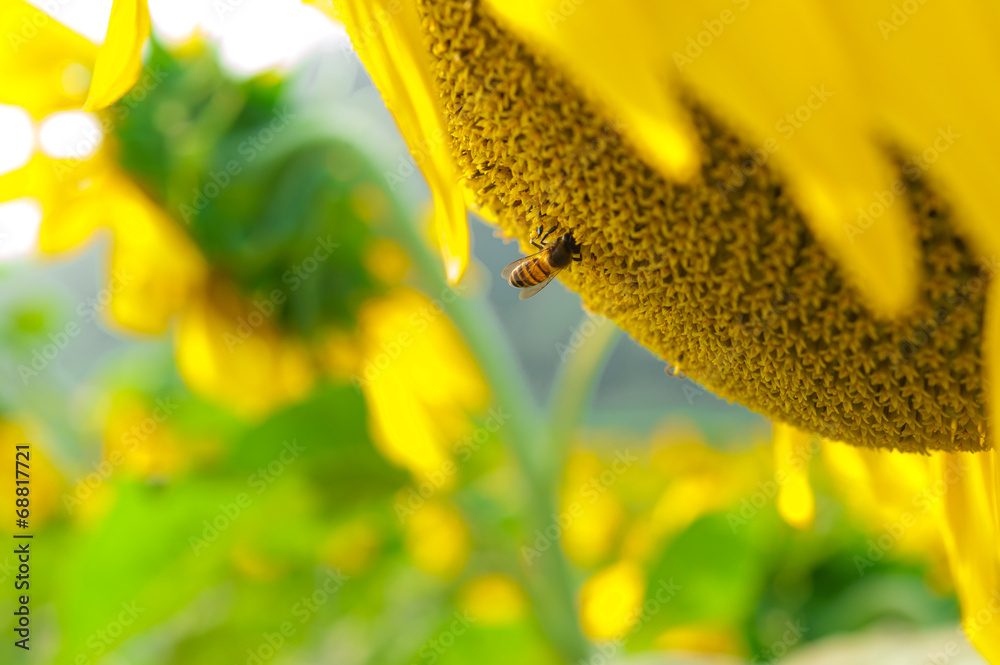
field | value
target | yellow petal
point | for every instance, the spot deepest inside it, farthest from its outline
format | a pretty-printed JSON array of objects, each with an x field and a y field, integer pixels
[
  {"x": 404, "y": 431},
  {"x": 416, "y": 412},
  {"x": 227, "y": 352},
  {"x": 44, "y": 66},
  {"x": 74, "y": 195},
  {"x": 493, "y": 599},
  {"x": 157, "y": 452},
  {"x": 610, "y": 600},
  {"x": 895, "y": 497},
  {"x": 119, "y": 58},
  {"x": 35, "y": 179},
  {"x": 155, "y": 267},
  {"x": 792, "y": 451},
  {"x": 780, "y": 72},
  {"x": 47, "y": 483},
  {"x": 388, "y": 37},
  {"x": 437, "y": 539},
  {"x": 591, "y": 535},
  {"x": 969, "y": 523},
  {"x": 930, "y": 80},
  {"x": 637, "y": 95}
]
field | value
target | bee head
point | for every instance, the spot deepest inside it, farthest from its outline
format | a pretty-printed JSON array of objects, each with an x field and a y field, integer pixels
[{"x": 569, "y": 242}]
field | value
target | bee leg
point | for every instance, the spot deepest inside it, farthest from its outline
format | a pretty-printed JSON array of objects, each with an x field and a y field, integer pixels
[{"x": 547, "y": 233}]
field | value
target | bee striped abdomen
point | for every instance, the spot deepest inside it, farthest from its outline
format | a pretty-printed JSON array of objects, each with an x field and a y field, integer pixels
[{"x": 532, "y": 271}]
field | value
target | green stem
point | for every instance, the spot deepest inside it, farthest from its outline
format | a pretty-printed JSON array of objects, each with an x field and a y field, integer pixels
[
  {"x": 548, "y": 576},
  {"x": 576, "y": 382},
  {"x": 537, "y": 439},
  {"x": 548, "y": 579}
]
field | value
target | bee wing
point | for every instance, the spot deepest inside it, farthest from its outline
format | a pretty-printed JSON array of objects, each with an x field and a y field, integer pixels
[
  {"x": 505, "y": 273},
  {"x": 532, "y": 290}
]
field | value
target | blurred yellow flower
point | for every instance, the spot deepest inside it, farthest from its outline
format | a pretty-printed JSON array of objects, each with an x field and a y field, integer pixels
[
  {"x": 156, "y": 272},
  {"x": 700, "y": 638},
  {"x": 493, "y": 599},
  {"x": 139, "y": 440},
  {"x": 45, "y": 482},
  {"x": 898, "y": 496},
  {"x": 699, "y": 480},
  {"x": 437, "y": 539},
  {"x": 158, "y": 275},
  {"x": 611, "y": 600},
  {"x": 420, "y": 383},
  {"x": 793, "y": 450},
  {"x": 590, "y": 499},
  {"x": 353, "y": 546},
  {"x": 251, "y": 372},
  {"x": 226, "y": 350}
]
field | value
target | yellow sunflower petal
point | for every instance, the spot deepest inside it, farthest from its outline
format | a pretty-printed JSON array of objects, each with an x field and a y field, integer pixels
[
  {"x": 637, "y": 95},
  {"x": 969, "y": 524},
  {"x": 931, "y": 72},
  {"x": 610, "y": 600},
  {"x": 895, "y": 496},
  {"x": 494, "y": 599},
  {"x": 119, "y": 58},
  {"x": 154, "y": 453},
  {"x": 47, "y": 482},
  {"x": 44, "y": 66},
  {"x": 228, "y": 353},
  {"x": 416, "y": 412},
  {"x": 154, "y": 266},
  {"x": 591, "y": 535},
  {"x": 792, "y": 451},
  {"x": 35, "y": 179},
  {"x": 76, "y": 196},
  {"x": 403, "y": 430},
  {"x": 437, "y": 539},
  {"x": 388, "y": 37},
  {"x": 730, "y": 53}
]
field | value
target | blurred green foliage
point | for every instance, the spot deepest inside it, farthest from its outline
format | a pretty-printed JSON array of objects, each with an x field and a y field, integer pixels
[{"x": 266, "y": 193}]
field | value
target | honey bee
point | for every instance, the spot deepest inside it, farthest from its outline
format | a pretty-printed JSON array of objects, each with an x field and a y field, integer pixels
[{"x": 533, "y": 272}]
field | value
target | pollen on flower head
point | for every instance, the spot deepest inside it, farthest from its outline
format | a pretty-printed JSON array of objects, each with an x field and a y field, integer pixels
[{"x": 720, "y": 277}]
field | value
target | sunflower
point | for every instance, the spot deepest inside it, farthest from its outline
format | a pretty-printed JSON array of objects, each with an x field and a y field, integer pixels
[
  {"x": 242, "y": 229},
  {"x": 789, "y": 202}
]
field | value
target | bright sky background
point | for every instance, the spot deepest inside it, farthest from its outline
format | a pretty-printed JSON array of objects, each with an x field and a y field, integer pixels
[{"x": 253, "y": 36}]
